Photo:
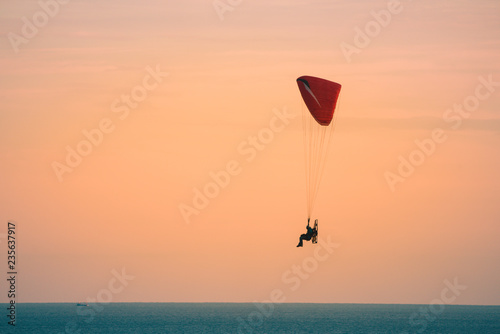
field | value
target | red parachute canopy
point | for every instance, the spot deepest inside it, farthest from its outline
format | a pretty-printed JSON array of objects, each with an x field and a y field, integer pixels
[{"x": 320, "y": 97}]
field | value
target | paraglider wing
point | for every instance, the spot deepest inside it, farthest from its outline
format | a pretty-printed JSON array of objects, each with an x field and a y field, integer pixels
[{"x": 320, "y": 97}]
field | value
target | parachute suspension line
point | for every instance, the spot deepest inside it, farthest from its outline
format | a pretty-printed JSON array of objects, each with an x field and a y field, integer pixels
[
  {"x": 318, "y": 137},
  {"x": 319, "y": 146},
  {"x": 322, "y": 145},
  {"x": 317, "y": 143},
  {"x": 309, "y": 142},
  {"x": 320, "y": 97},
  {"x": 305, "y": 126},
  {"x": 312, "y": 160},
  {"x": 325, "y": 149}
]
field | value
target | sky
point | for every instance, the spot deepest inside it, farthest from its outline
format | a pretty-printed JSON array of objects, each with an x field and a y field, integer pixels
[{"x": 152, "y": 151}]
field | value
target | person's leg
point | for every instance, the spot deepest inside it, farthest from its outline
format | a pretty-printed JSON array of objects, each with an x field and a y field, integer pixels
[{"x": 302, "y": 237}]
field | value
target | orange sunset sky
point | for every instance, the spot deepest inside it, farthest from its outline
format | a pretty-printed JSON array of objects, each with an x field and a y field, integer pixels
[{"x": 172, "y": 92}]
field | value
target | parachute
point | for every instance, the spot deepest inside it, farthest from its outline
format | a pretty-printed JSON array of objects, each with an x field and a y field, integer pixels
[{"x": 320, "y": 96}]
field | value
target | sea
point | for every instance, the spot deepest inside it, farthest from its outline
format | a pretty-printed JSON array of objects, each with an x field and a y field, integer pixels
[{"x": 124, "y": 318}]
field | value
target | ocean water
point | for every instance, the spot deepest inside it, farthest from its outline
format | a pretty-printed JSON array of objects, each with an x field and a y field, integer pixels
[{"x": 127, "y": 318}]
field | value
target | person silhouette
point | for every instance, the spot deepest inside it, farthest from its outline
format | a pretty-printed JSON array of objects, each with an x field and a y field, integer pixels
[{"x": 307, "y": 236}]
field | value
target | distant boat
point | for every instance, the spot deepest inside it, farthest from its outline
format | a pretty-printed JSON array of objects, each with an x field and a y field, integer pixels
[{"x": 82, "y": 304}]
